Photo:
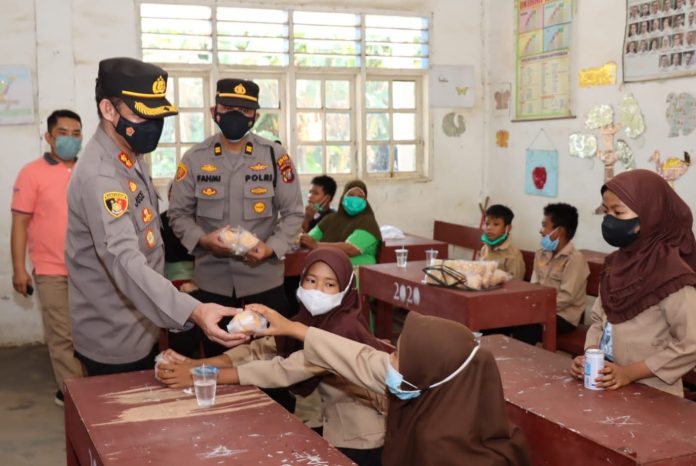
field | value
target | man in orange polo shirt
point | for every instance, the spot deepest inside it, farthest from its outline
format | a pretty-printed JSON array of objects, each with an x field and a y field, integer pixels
[{"x": 40, "y": 219}]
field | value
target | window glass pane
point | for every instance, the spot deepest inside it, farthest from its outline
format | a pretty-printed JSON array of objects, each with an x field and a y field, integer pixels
[
  {"x": 405, "y": 158},
  {"x": 302, "y": 31},
  {"x": 252, "y": 44},
  {"x": 329, "y": 47},
  {"x": 191, "y": 92},
  {"x": 238, "y": 29},
  {"x": 163, "y": 10},
  {"x": 339, "y": 159},
  {"x": 309, "y": 126},
  {"x": 169, "y": 130},
  {"x": 171, "y": 87},
  {"x": 268, "y": 125},
  {"x": 345, "y": 61},
  {"x": 337, "y": 127},
  {"x": 377, "y": 94},
  {"x": 176, "y": 56},
  {"x": 251, "y": 58},
  {"x": 378, "y": 158},
  {"x": 323, "y": 18},
  {"x": 163, "y": 162},
  {"x": 269, "y": 93},
  {"x": 337, "y": 94},
  {"x": 396, "y": 62},
  {"x": 396, "y": 35},
  {"x": 388, "y": 49},
  {"x": 176, "y": 26},
  {"x": 404, "y": 126},
  {"x": 377, "y": 126},
  {"x": 308, "y": 92},
  {"x": 309, "y": 159},
  {"x": 404, "y": 94},
  {"x": 174, "y": 42},
  {"x": 191, "y": 127},
  {"x": 399, "y": 22},
  {"x": 252, "y": 15}
]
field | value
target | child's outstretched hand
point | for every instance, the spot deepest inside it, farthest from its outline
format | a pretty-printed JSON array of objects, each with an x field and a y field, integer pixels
[
  {"x": 175, "y": 375},
  {"x": 279, "y": 325},
  {"x": 171, "y": 355},
  {"x": 578, "y": 367}
]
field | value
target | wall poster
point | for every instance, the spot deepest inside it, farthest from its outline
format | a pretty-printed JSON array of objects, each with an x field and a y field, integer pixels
[
  {"x": 542, "y": 62},
  {"x": 660, "y": 39}
]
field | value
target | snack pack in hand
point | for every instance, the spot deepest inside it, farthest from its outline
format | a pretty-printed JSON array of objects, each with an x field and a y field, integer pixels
[
  {"x": 161, "y": 359},
  {"x": 480, "y": 275},
  {"x": 239, "y": 240},
  {"x": 247, "y": 322}
]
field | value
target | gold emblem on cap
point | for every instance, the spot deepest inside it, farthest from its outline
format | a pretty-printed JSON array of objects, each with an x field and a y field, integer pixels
[
  {"x": 159, "y": 86},
  {"x": 240, "y": 89}
]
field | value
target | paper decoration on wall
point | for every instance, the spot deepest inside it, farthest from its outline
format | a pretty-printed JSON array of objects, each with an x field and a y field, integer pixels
[
  {"x": 452, "y": 86},
  {"x": 681, "y": 113},
  {"x": 599, "y": 116},
  {"x": 604, "y": 75},
  {"x": 501, "y": 99},
  {"x": 671, "y": 169},
  {"x": 582, "y": 145},
  {"x": 631, "y": 117},
  {"x": 624, "y": 154},
  {"x": 501, "y": 138},
  {"x": 452, "y": 129},
  {"x": 541, "y": 173},
  {"x": 16, "y": 95}
]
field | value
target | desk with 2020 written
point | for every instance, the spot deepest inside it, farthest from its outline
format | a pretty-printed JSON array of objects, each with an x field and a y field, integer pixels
[
  {"x": 130, "y": 419},
  {"x": 516, "y": 303}
]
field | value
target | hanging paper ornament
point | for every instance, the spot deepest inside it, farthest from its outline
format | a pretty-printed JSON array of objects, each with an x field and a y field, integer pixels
[
  {"x": 631, "y": 117},
  {"x": 582, "y": 145},
  {"x": 625, "y": 154},
  {"x": 599, "y": 116}
]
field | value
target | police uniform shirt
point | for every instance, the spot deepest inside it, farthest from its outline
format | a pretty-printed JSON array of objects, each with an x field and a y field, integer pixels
[
  {"x": 213, "y": 189},
  {"x": 115, "y": 258}
]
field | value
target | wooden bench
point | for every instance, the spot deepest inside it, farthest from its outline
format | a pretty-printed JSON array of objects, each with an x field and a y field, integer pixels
[
  {"x": 566, "y": 424},
  {"x": 458, "y": 235}
]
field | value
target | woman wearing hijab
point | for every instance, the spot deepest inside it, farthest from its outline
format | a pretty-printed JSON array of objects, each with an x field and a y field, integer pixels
[
  {"x": 644, "y": 318},
  {"x": 353, "y": 228},
  {"x": 353, "y": 418},
  {"x": 446, "y": 404}
]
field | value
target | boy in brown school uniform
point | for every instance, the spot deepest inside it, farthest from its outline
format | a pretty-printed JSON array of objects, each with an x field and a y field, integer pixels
[
  {"x": 559, "y": 265},
  {"x": 497, "y": 244}
]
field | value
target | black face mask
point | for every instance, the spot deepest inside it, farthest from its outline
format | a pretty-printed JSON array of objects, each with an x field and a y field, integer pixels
[
  {"x": 233, "y": 124},
  {"x": 619, "y": 233},
  {"x": 142, "y": 137}
]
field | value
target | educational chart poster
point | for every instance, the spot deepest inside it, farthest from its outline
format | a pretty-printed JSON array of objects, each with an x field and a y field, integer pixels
[
  {"x": 16, "y": 95},
  {"x": 541, "y": 173},
  {"x": 660, "y": 39},
  {"x": 542, "y": 59}
]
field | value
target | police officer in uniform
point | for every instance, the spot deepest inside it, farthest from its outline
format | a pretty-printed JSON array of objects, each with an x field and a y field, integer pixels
[
  {"x": 118, "y": 296},
  {"x": 239, "y": 179}
]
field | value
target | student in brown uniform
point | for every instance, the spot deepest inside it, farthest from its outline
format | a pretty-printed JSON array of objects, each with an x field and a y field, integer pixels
[
  {"x": 497, "y": 243},
  {"x": 644, "y": 318},
  {"x": 446, "y": 404}
]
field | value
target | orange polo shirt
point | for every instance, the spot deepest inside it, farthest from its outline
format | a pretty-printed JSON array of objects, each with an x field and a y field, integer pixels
[{"x": 41, "y": 191}]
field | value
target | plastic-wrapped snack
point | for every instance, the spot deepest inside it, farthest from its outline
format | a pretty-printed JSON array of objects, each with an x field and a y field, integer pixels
[
  {"x": 161, "y": 358},
  {"x": 247, "y": 322},
  {"x": 489, "y": 267},
  {"x": 500, "y": 277},
  {"x": 239, "y": 240}
]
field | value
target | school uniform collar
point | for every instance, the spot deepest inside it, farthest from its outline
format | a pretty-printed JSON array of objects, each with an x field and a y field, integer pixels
[
  {"x": 504, "y": 245},
  {"x": 568, "y": 250}
]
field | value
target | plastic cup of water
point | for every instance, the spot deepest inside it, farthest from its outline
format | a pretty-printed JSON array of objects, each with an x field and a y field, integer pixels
[
  {"x": 401, "y": 257},
  {"x": 430, "y": 256},
  {"x": 205, "y": 384},
  {"x": 477, "y": 337}
]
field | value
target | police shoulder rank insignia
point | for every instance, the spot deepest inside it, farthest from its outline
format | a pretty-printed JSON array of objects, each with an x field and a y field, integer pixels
[
  {"x": 150, "y": 238},
  {"x": 181, "y": 171},
  {"x": 209, "y": 168},
  {"x": 249, "y": 148},
  {"x": 116, "y": 203},
  {"x": 147, "y": 215},
  {"x": 258, "y": 190},
  {"x": 123, "y": 158},
  {"x": 285, "y": 167},
  {"x": 209, "y": 191},
  {"x": 132, "y": 186},
  {"x": 258, "y": 167},
  {"x": 217, "y": 149},
  {"x": 259, "y": 207}
]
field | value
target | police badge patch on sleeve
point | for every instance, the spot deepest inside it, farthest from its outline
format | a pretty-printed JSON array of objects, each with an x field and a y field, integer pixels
[
  {"x": 116, "y": 203},
  {"x": 285, "y": 167},
  {"x": 181, "y": 171}
]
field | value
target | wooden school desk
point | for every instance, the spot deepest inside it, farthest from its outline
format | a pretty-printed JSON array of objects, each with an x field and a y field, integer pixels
[
  {"x": 566, "y": 424},
  {"x": 416, "y": 245},
  {"x": 516, "y": 303},
  {"x": 131, "y": 419}
]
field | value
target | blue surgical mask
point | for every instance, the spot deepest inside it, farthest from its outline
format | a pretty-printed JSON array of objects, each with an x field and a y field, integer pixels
[
  {"x": 548, "y": 244},
  {"x": 394, "y": 380},
  {"x": 354, "y": 205},
  {"x": 67, "y": 147}
]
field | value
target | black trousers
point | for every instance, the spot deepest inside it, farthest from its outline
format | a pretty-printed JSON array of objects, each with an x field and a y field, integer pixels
[
  {"x": 99, "y": 368},
  {"x": 371, "y": 457},
  {"x": 532, "y": 334}
]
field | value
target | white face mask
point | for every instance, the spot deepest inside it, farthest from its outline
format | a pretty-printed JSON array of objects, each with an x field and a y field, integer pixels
[{"x": 317, "y": 302}]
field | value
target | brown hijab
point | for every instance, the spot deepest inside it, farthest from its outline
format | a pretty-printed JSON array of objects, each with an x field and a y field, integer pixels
[
  {"x": 462, "y": 421},
  {"x": 346, "y": 320},
  {"x": 661, "y": 260},
  {"x": 337, "y": 227}
]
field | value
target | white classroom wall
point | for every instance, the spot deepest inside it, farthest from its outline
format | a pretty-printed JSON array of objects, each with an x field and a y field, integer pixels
[{"x": 63, "y": 40}]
